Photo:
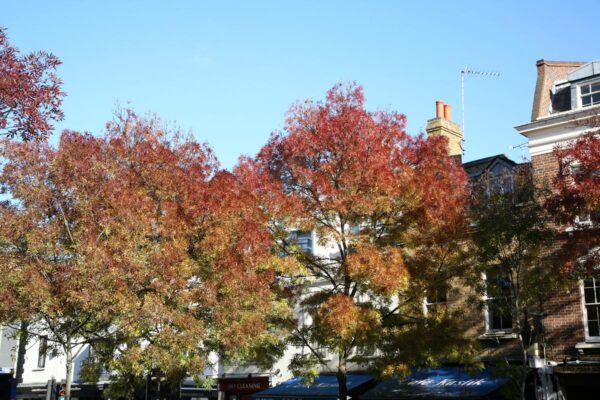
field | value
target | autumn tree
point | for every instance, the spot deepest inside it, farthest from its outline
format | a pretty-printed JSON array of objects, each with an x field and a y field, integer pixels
[
  {"x": 46, "y": 278},
  {"x": 387, "y": 211},
  {"x": 138, "y": 245},
  {"x": 575, "y": 202},
  {"x": 30, "y": 99},
  {"x": 514, "y": 240},
  {"x": 30, "y": 92}
]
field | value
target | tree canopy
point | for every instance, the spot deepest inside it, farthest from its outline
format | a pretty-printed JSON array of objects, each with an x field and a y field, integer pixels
[
  {"x": 30, "y": 92},
  {"x": 136, "y": 243},
  {"x": 388, "y": 212}
]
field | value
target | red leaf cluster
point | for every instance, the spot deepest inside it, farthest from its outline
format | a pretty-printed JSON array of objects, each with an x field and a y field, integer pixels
[
  {"x": 345, "y": 320},
  {"x": 575, "y": 201},
  {"x": 382, "y": 269},
  {"x": 578, "y": 181},
  {"x": 139, "y": 231},
  {"x": 30, "y": 93},
  {"x": 388, "y": 212}
]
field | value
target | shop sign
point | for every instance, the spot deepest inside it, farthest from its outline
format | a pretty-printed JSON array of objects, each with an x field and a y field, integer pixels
[{"x": 243, "y": 385}]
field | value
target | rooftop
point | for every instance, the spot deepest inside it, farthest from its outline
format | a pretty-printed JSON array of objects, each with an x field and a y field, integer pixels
[{"x": 477, "y": 167}]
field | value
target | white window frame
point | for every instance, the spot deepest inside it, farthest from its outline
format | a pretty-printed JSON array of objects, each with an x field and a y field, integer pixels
[
  {"x": 583, "y": 220},
  {"x": 486, "y": 311},
  {"x": 580, "y": 94},
  {"x": 588, "y": 338},
  {"x": 42, "y": 352},
  {"x": 427, "y": 304}
]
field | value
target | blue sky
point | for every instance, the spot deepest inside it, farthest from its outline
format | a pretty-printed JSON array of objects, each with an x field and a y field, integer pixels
[{"x": 229, "y": 70}]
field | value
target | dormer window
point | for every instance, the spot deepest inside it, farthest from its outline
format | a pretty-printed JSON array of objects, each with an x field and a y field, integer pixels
[
  {"x": 590, "y": 94},
  {"x": 561, "y": 97}
]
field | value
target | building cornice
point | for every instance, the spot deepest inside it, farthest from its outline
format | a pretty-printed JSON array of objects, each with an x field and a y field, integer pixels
[
  {"x": 546, "y": 133},
  {"x": 562, "y": 118}
]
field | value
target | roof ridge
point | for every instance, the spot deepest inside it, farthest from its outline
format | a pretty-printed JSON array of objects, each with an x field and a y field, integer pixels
[{"x": 560, "y": 63}]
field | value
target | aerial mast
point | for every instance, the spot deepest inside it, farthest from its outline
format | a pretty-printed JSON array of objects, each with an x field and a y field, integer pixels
[{"x": 464, "y": 73}]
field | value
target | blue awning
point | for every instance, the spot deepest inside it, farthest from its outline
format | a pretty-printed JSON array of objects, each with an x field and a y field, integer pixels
[
  {"x": 440, "y": 383},
  {"x": 325, "y": 387}
]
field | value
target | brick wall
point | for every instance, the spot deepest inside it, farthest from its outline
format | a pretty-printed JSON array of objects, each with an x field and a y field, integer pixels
[
  {"x": 467, "y": 301},
  {"x": 547, "y": 73},
  {"x": 545, "y": 167},
  {"x": 564, "y": 322}
]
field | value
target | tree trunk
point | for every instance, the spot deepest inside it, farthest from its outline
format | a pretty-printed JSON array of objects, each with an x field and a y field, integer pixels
[
  {"x": 341, "y": 377},
  {"x": 523, "y": 381},
  {"x": 69, "y": 354},
  {"x": 524, "y": 346},
  {"x": 525, "y": 354},
  {"x": 23, "y": 341}
]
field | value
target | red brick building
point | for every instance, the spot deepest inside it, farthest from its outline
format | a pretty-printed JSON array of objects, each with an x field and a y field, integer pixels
[{"x": 567, "y": 94}]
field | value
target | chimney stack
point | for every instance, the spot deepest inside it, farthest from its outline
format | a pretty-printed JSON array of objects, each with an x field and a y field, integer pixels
[
  {"x": 439, "y": 109},
  {"x": 442, "y": 125},
  {"x": 448, "y": 112}
]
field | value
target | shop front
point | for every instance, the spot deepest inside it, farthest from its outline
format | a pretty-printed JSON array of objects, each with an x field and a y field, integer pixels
[
  {"x": 439, "y": 383},
  {"x": 232, "y": 388},
  {"x": 325, "y": 387}
]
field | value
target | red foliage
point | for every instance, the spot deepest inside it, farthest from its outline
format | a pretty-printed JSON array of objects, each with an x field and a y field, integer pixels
[
  {"x": 376, "y": 199},
  {"x": 345, "y": 320},
  {"x": 578, "y": 179},
  {"x": 139, "y": 231},
  {"x": 30, "y": 93},
  {"x": 575, "y": 201},
  {"x": 382, "y": 268}
]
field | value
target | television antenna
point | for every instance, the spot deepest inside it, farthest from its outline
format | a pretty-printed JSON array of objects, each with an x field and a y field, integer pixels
[
  {"x": 522, "y": 147},
  {"x": 464, "y": 73}
]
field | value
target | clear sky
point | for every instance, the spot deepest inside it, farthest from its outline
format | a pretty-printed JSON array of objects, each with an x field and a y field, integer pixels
[{"x": 229, "y": 70}]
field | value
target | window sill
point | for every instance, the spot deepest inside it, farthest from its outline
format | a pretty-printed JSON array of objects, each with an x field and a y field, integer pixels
[
  {"x": 588, "y": 345},
  {"x": 497, "y": 336}
]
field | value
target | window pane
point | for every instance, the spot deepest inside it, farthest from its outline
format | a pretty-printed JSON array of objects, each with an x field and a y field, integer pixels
[
  {"x": 596, "y": 98},
  {"x": 592, "y": 313},
  {"x": 498, "y": 318},
  {"x": 494, "y": 315},
  {"x": 43, "y": 348},
  {"x": 586, "y": 100},
  {"x": 496, "y": 322},
  {"x": 593, "y": 328},
  {"x": 585, "y": 89},
  {"x": 436, "y": 295},
  {"x": 589, "y": 295},
  {"x": 303, "y": 240},
  {"x": 506, "y": 322},
  {"x": 596, "y": 87}
]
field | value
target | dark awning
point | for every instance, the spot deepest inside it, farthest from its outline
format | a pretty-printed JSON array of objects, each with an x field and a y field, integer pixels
[
  {"x": 325, "y": 387},
  {"x": 440, "y": 383}
]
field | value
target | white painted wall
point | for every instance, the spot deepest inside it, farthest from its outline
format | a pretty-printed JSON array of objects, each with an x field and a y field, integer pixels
[
  {"x": 8, "y": 349},
  {"x": 55, "y": 365}
]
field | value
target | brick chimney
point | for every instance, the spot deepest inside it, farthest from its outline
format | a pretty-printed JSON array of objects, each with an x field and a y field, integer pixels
[
  {"x": 442, "y": 125},
  {"x": 547, "y": 73}
]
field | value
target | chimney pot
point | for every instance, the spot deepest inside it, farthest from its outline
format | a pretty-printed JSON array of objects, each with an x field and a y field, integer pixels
[
  {"x": 439, "y": 109},
  {"x": 448, "y": 112}
]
